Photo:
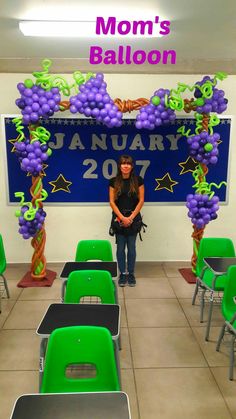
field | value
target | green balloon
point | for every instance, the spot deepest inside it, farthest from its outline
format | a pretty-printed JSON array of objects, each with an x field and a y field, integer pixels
[
  {"x": 37, "y": 271},
  {"x": 18, "y": 213},
  {"x": 208, "y": 147},
  {"x": 49, "y": 152},
  {"x": 156, "y": 100},
  {"x": 200, "y": 101},
  {"x": 28, "y": 83}
]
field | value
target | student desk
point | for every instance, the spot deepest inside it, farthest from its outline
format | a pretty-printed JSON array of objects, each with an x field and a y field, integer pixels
[
  {"x": 218, "y": 266},
  {"x": 93, "y": 265},
  {"x": 102, "y": 405},
  {"x": 63, "y": 315}
]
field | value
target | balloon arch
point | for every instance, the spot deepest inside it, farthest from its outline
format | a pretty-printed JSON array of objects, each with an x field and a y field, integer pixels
[{"x": 42, "y": 97}]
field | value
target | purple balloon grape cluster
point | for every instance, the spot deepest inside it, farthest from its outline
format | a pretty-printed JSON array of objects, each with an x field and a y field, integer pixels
[
  {"x": 29, "y": 228},
  {"x": 217, "y": 103},
  {"x": 93, "y": 100},
  {"x": 32, "y": 155},
  {"x": 35, "y": 102},
  {"x": 202, "y": 208},
  {"x": 155, "y": 113},
  {"x": 204, "y": 147}
]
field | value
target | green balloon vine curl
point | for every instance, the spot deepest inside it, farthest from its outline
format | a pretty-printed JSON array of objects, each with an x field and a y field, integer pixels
[
  {"x": 19, "y": 128},
  {"x": 203, "y": 187},
  {"x": 29, "y": 215},
  {"x": 213, "y": 121},
  {"x": 47, "y": 81},
  {"x": 40, "y": 134}
]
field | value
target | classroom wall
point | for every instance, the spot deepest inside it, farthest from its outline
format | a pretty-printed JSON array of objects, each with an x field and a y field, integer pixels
[{"x": 168, "y": 236}]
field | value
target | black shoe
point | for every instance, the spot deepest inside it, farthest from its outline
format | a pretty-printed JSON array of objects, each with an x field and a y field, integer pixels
[
  {"x": 131, "y": 280},
  {"x": 122, "y": 280}
]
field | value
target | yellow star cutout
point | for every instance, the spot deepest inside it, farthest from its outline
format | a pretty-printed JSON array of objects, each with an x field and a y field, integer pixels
[
  {"x": 165, "y": 183},
  {"x": 60, "y": 184}
]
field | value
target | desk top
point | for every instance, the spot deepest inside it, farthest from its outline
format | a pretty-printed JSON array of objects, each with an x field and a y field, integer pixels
[
  {"x": 220, "y": 265},
  {"x": 63, "y": 315},
  {"x": 95, "y": 265},
  {"x": 105, "y": 405}
]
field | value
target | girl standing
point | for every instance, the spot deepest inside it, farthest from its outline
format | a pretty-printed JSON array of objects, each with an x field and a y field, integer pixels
[{"x": 126, "y": 194}]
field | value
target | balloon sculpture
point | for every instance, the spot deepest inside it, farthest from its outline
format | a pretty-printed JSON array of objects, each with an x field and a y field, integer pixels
[{"x": 41, "y": 98}]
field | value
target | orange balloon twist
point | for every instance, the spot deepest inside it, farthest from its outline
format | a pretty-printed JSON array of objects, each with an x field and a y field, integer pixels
[
  {"x": 130, "y": 105},
  {"x": 64, "y": 106},
  {"x": 38, "y": 262},
  {"x": 197, "y": 234},
  {"x": 189, "y": 106},
  {"x": 205, "y": 122}
]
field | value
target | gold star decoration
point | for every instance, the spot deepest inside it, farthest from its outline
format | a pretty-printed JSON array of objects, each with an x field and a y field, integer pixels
[
  {"x": 60, "y": 184},
  {"x": 188, "y": 165},
  {"x": 42, "y": 171},
  {"x": 165, "y": 183},
  {"x": 13, "y": 143}
]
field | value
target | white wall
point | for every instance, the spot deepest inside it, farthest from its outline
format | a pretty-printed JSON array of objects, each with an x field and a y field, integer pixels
[{"x": 168, "y": 236}]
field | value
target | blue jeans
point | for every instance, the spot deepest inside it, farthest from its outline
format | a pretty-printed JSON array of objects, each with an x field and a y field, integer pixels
[{"x": 122, "y": 242}]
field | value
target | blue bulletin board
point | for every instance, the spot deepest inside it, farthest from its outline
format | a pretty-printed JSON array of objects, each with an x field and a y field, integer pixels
[{"x": 85, "y": 154}]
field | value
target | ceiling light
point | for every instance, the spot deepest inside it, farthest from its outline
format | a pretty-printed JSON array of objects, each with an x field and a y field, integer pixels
[
  {"x": 69, "y": 29},
  {"x": 57, "y": 28}
]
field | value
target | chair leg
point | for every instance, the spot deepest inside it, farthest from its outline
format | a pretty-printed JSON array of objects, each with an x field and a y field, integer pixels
[
  {"x": 202, "y": 305},
  {"x": 195, "y": 292},
  {"x": 42, "y": 352},
  {"x": 116, "y": 348},
  {"x": 209, "y": 320},
  {"x": 221, "y": 335},
  {"x": 63, "y": 289},
  {"x": 231, "y": 358},
  {"x": 6, "y": 286},
  {"x": 119, "y": 343},
  {"x": 116, "y": 293}
]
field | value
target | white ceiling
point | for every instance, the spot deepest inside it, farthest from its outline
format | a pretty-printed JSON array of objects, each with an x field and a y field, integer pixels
[{"x": 203, "y": 34}]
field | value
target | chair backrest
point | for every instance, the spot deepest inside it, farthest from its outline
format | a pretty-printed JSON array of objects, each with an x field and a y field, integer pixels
[
  {"x": 228, "y": 304},
  {"x": 90, "y": 284},
  {"x": 94, "y": 250},
  {"x": 80, "y": 345},
  {"x": 3, "y": 262},
  {"x": 213, "y": 247}
]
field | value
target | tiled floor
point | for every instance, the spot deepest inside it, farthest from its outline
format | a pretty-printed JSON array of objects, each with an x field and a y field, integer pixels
[{"x": 168, "y": 370}]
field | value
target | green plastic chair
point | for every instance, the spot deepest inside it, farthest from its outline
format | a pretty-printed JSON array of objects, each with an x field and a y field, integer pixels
[
  {"x": 89, "y": 283},
  {"x": 206, "y": 281},
  {"x": 80, "y": 345},
  {"x": 3, "y": 265},
  {"x": 94, "y": 250},
  {"x": 228, "y": 309}
]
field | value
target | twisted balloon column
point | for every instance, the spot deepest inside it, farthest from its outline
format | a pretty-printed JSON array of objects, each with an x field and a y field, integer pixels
[
  {"x": 204, "y": 122},
  {"x": 38, "y": 262}
]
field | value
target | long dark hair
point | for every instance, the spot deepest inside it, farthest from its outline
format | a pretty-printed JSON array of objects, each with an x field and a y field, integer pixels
[{"x": 119, "y": 181}]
